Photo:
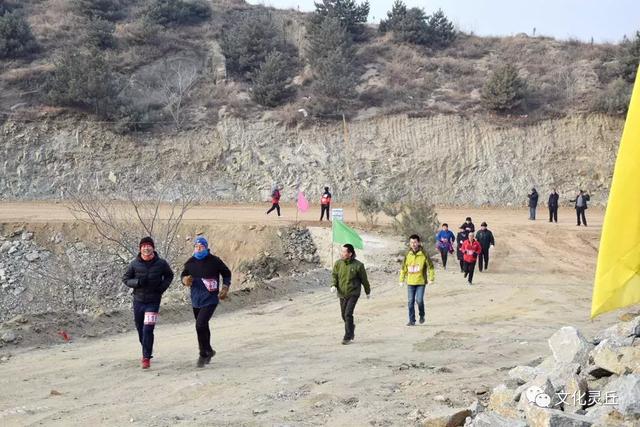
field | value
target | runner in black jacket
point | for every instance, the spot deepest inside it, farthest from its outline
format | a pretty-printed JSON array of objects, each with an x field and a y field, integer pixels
[
  {"x": 485, "y": 237},
  {"x": 149, "y": 276}
]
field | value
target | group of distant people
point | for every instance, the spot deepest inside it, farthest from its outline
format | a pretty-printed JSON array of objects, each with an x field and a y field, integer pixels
[
  {"x": 469, "y": 246},
  {"x": 580, "y": 205},
  {"x": 325, "y": 202}
]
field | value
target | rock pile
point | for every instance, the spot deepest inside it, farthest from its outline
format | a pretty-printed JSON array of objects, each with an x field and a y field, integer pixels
[
  {"x": 34, "y": 279},
  {"x": 298, "y": 250},
  {"x": 298, "y": 245},
  {"x": 583, "y": 383}
]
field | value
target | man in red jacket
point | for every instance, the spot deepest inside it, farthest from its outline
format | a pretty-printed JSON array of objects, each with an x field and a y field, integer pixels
[{"x": 470, "y": 250}]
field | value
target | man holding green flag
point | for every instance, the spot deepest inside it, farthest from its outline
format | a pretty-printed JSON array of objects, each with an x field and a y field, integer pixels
[{"x": 349, "y": 276}]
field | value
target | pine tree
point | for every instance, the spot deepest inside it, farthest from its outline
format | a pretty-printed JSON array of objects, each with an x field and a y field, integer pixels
[
  {"x": 271, "y": 79},
  {"x": 352, "y": 16},
  {"x": 331, "y": 56},
  {"x": 16, "y": 39},
  {"x": 441, "y": 30},
  {"x": 396, "y": 15},
  {"x": 504, "y": 91},
  {"x": 631, "y": 58},
  {"x": 249, "y": 39},
  {"x": 84, "y": 80}
]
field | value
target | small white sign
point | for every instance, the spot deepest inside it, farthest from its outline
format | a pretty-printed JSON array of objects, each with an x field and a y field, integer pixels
[{"x": 337, "y": 213}]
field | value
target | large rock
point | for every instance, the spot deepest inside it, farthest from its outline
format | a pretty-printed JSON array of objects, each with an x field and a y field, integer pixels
[
  {"x": 9, "y": 337},
  {"x": 502, "y": 401},
  {"x": 574, "y": 388},
  {"x": 449, "y": 417},
  {"x": 562, "y": 372},
  {"x": 569, "y": 346},
  {"x": 524, "y": 374},
  {"x": 617, "y": 359},
  {"x": 606, "y": 416},
  {"x": 620, "y": 334},
  {"x": 491, "y": 419},
  {"x": 540, "y": 393},
  {"x": 543, "y": 417},
  {"x": 623, "y": 394}
]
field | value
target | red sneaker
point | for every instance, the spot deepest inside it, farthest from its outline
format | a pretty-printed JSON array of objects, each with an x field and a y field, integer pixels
[{"x": 146, "y": 363}]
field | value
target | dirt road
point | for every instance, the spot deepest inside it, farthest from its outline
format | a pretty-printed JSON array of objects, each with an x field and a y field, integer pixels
[{"x": 281, "y": 363}]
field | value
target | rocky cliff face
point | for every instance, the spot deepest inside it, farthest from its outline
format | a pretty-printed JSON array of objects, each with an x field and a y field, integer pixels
[{"x": 454, "y": 160}]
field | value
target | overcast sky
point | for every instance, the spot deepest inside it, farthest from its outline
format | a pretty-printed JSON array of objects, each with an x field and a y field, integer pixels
[{"x": 604, "y": 20}]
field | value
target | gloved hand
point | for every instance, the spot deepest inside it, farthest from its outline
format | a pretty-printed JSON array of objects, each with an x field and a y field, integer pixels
[
  {"x": 224, "y": 291},
  {"x": 187, "y": 281},
  {"x": 333, "y": 289},
  {"x": 143, "y": 281},
  {"x": 401, "y": 284}
]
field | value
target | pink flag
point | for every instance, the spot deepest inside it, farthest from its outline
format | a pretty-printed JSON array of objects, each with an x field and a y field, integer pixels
[{"x": 303, "y": 203}]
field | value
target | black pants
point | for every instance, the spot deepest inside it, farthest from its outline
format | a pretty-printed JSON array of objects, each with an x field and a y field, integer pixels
[
  {"x": 580, "y": 214},
  {"x": 323, "y": 209},
  {"x": 444, "y": 254},
  {"x": 347, "y": 305},
  {"x": 203, "y": 315},
  {"x": 553, "y": 214},
  {"x": 145, "y": 316},
  {"x": 468, "y": 270},
  {"x": 274, "y": 206},
  {"x": 461, "y": 264},
  {"x": 484, "y": 259}
]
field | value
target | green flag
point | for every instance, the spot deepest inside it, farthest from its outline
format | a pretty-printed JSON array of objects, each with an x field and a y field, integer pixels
[{"x": 342, "y": 233}]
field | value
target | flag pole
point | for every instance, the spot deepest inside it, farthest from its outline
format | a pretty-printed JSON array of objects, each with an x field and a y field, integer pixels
[{"x": 332, "y": 242}]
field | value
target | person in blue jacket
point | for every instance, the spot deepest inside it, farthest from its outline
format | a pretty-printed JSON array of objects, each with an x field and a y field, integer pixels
[
  {"x": 202, "y": 274},
  {"x": 444, "y": 242}
]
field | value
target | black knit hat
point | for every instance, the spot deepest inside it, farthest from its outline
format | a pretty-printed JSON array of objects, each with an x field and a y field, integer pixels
[{"x": 147, "y": 241}]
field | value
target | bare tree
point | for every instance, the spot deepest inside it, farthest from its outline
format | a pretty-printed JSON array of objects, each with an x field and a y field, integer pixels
[
  {"x": 171, "y": 86},
  {"x": 122, "y": 222}
]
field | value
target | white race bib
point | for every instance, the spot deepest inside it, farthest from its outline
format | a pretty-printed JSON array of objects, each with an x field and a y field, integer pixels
[
  {"x": 150, "y": 317},
  {"x": 414, "y": 268},
  {"x": 210, "y": 284}
]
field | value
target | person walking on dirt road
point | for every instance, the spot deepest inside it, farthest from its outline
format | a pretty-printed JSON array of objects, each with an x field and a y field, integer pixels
[
  {"x": 460, "y": 239},
  {"x": 417, "y": 270},
  {"x": 149, "y": 276},
  {"x": 485, "y": 237},
  {"x": 349, "y": 276},
  {"x": 445, "y": 240},
  {"x": 468, "y": 225},
  {"x": 202, "y": 274},
  {"x": 471, "y": 249}
]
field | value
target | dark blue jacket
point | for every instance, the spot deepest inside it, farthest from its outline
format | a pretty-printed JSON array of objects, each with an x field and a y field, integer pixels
[
  {"x": 445, "y": 235},
  {"x": 210, "y": 268}
]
